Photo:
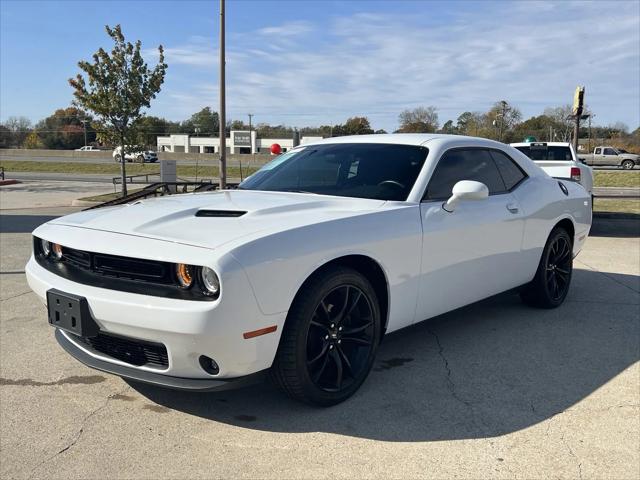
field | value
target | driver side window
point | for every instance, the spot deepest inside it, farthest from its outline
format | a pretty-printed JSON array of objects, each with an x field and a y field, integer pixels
[{"x": 464, "y": 164}]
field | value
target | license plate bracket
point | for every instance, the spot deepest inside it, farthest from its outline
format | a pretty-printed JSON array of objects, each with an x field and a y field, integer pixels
[{"x": 70, "y": 313}]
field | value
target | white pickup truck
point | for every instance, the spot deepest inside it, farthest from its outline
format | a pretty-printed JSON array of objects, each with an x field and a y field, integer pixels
[
  {"x": 610, "y": 156},
  {"x": 559, "y": 160}
]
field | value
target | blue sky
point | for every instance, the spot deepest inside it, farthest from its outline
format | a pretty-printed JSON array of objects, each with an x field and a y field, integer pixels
[{"x": 311, "y": 63}]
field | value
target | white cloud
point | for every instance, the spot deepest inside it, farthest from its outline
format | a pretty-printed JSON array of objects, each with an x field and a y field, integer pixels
[{"x": 532, "y": 55}]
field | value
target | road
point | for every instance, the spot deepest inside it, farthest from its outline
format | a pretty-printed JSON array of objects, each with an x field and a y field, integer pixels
[
  {"x": 88, "y": 158},
  {"x": 232, "y": 161},
  {"x": 493, "y": 390}
]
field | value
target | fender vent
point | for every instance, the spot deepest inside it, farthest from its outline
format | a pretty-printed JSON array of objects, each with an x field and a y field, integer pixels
[{"x": 220, "y": 213}]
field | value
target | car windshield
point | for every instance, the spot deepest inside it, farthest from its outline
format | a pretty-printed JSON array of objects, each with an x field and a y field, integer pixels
[
  {"x": 363, "y": 170},
  {"x": 544, "y": 152}
]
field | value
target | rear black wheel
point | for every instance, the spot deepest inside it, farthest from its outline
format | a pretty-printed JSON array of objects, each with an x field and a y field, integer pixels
[
  {"x": 550, "y": 286},
  {"x": 330, "y": 338}
]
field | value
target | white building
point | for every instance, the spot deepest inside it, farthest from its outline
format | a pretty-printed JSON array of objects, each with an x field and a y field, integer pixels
[{"x": 239, "y": 142}]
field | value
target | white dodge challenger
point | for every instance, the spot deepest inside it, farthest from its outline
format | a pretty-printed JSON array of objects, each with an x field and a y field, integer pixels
[{"x": 304, "y": 268}]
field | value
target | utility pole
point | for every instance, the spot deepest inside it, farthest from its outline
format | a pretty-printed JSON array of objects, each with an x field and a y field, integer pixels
[
  {"x": 221, "y": 114},
  {"x": 84, "y": 124},
  {"x": 250, "y": 137}
]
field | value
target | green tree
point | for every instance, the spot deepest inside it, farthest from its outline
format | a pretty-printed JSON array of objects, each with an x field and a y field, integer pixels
[
  {"x": 418, "y": 120},
  {"x": 64, "y": 129},
  {"x": 357, "y": 126},
  {"x": 119, "y": 85},
  {"x": 449, "y": 128},
  {"x": 205, "y": 122}
]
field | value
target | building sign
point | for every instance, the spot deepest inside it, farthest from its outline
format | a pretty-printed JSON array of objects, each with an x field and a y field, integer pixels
[{"x": 242, "y": 139}]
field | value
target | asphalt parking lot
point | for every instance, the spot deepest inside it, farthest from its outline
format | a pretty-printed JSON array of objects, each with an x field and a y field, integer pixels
[{"x": 494, "y": 390}]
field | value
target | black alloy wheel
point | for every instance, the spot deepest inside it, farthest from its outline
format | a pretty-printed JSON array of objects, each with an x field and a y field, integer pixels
[
  {"x": 330, "y": 338},
  {"x": 340, "y": 338},
  {"x": 558, "y": 269},
  {"x": 550, "y": 286}
]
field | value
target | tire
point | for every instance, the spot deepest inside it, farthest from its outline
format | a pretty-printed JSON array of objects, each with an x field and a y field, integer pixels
[
  {"x": 330, "y": 338},
  {"x": 628, "y": 164},
  {"x": 118, "y": 158},
  {"x": 550, "y": 286},
  {"x": 140, "y": 158}
]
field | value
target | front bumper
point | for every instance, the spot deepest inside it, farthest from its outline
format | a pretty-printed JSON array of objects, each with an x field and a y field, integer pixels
[
  {"x": 152, "y": 378},
  {"x": 187, "y": 329}
]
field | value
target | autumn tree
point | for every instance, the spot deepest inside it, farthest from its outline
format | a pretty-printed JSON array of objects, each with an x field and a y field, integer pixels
[
  {"x": 117, "y": 87},
  {"x": 64, "y": 129},
  {"x": 419, "y": 120}
]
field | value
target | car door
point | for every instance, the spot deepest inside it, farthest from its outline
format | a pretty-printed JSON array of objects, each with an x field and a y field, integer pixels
[
  {"x": 472, "y": 252},
  {"x": 598, "y": 157},
  {"x": 610, "y": 157}
]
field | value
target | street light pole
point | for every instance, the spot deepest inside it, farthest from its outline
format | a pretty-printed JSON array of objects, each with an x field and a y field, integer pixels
[
  {"x": 84, "y": 124},
  {"x": 221, "y": 114}
]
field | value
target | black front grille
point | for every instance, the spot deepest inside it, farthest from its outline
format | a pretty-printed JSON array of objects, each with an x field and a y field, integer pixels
[
  {"x": 119, "y": 267},
  {"x": 135, "y": 352},
  {"x": 126, "y": 274}
]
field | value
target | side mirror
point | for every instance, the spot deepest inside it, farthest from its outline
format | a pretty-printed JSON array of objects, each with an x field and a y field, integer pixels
[{"x": 465, "y": 190}]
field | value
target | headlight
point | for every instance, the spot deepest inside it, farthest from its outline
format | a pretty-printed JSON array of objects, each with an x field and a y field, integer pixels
[
  {"x": 46, "y": 247},
  {"x": 184, "y": 273},
  {"x": 210, "y": 281},
  {"x": 57, "y": 250}
]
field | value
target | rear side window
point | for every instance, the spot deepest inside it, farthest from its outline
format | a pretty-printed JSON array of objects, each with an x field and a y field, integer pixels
[
  {"x": 460, "y": 164},
  {"x": 511, "y": 173},
  {"x": 598, "y": 151}
]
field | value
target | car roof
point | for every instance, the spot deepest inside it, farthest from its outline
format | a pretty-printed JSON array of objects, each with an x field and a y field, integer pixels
[{"x": 406, "y": 139}]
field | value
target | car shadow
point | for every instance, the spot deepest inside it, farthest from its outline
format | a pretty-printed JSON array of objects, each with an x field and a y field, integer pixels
[{"x": 485, "y": 370}]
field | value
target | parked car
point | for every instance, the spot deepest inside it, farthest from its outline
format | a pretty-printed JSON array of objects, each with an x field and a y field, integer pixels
[
  {"x": 87, "y": 148},
  {"x": 304, "y": 268},
  {"x": 141, "y": 156},
  {"x": 610, "y": 156},
  {"x": 559, "y": 160}
]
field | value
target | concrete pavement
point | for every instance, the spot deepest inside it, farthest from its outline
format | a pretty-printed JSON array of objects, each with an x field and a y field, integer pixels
[{"x": 493, "y": 390}]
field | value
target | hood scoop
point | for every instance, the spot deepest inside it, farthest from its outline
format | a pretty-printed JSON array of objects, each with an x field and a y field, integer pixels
[{"x": 220, "y": 213}]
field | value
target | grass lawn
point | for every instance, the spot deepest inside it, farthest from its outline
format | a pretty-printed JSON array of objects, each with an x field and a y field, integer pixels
[
  {"x": 203, "y": 171},
  {"x": 616, "y": 179},
  {"x": 615, "y": 205}
]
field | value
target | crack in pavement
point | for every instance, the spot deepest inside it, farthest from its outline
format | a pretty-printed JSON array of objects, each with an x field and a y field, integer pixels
[
  {"x": 80, "y": 431},
  {"x": 570, "y": 450},
  {"x": 15, "y": 296},
  {"x": 451, "y": 386},
  {"x": 608, "y": 276}
]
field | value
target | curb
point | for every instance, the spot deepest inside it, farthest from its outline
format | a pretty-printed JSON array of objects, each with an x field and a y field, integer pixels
[{"x": 10, "y": 181}]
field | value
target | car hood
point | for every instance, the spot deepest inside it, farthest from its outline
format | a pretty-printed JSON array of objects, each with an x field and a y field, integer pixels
[{"x": 212, "y": 219}]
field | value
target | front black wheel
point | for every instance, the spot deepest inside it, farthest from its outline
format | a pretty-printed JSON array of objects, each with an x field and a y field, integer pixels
[
  {"x": 330, "y": 338},
  {"x": 550, "y": 286}
]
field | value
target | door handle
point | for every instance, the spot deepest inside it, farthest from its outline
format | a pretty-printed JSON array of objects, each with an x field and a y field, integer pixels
[{"x": 513, "y": 208}]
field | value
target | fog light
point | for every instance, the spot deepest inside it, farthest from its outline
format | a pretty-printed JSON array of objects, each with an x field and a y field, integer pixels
[{"x": 209, "y": 365}]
